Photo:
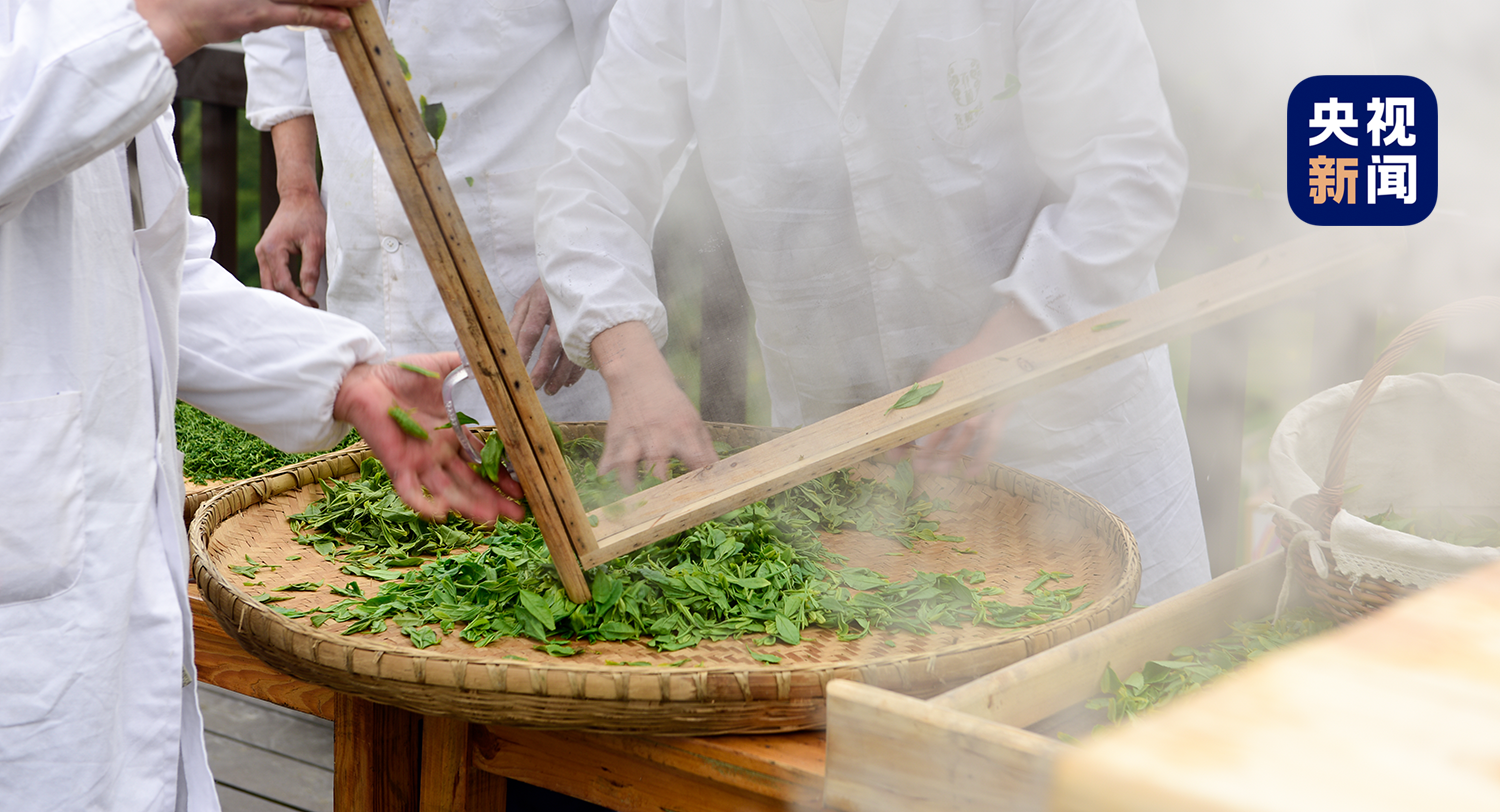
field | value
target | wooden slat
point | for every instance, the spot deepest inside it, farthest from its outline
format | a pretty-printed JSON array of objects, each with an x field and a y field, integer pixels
[
  {"x": 636, "y": 774},
  {"x": 1215, "y": 424},
  {"x": 295, "y": 785},
  {"x": 1024, "y": 370},
  {"x": 219, "y": 180},
  {"x": 949, "y": 761},
  {"x": 1039, "y": 686},
  {"x": 1398, "y": 711},
  {"x": 215, "y": 74},
  {"x": 450, "y": 780},
  {"x": 375, "y": 74},
  {"x": 970, "y": 749},
  {"x": 377, "y": 757}
]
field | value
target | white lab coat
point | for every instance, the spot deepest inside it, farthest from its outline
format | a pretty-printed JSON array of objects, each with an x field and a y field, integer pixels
[
  {"x": 100, "y": 328},
  {"x": 505, "y": 71},
  {"x": 974, "y": 152}
]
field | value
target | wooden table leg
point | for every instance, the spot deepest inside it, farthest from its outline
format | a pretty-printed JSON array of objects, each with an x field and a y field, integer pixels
[
  {"x": 450, "y": 780},
  {"x": 377, "y": 757}
]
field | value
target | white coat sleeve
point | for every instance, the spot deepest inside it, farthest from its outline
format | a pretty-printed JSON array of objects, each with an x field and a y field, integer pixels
[
  {"x": 77, "y": 79},
  {"x": 259, "y": 360},
  {"x": 590, "y": 23},
  {"x": 1098, "y": 124},
  {"x": 276, "y": 77},
  {"x": 597, "y": 207}
]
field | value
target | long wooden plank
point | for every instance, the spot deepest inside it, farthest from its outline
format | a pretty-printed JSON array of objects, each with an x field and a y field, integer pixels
[
  {"x": 1039, "y": 686},
  {"x": 1398, "y": 711},
  {"x": 887, "y": 751},
  {"x": 375, "y": 74},
  {"x": 641, "y": 774},
  {"x": 1023, "y": 370}
]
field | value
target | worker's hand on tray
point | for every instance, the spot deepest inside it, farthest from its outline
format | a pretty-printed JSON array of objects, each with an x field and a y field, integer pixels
[
  {"x": 299, "y": 228},
  {"x": 184, "y": 26},
  {"x": 979, "y": 436},
  {"x": 530, "y": 322},
  {"x": 428, "y": 472},
  {"x": 651, "y": 420}
]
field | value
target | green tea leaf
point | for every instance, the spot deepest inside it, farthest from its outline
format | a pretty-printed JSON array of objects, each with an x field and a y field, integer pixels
[
  {"x": 421, "y": 636},
  {"x": 787, "y": 630},
  {"x": 1012, "y": 87},
  {"x": 916, "y": 394},
  {"x": 763, "y": 656},
  {"x": 401, "y": 60},
  {"x": 491, "y": 458},
  {"x": 434, "y": 118},
  {"x": 1109, "y": 325},
  {"x": 414, "y": 368},
  {"x": 407, "y": 423}
]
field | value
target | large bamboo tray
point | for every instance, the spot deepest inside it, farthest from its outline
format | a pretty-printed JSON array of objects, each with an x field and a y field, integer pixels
[{"x": 1014, "y": 523}]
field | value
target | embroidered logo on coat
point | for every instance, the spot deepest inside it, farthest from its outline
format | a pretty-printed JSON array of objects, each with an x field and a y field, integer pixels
[{"x": 964, "y": 81}]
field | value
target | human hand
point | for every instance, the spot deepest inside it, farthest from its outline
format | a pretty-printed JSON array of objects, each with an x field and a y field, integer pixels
[
  {"x": 979, "y": 436},
  {"x": 430, "y": 475},
  {"x": 184, "y": 26},
  {"x": 299, "y": 228},
  {"x": 532, "y": 318},
  {"x": 650, "y": 419}
]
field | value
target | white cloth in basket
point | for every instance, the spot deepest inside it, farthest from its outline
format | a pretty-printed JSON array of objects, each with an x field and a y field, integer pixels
[{"x": 1426, "y": 441}]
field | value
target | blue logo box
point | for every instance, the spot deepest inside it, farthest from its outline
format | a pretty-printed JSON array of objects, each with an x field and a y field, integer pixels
[{"x": 1362, "y": 150}]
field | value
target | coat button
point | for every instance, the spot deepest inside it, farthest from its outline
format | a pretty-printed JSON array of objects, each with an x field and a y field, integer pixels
[
  {"x": 390, "y": 244},
  {"x": 884, "y": 261},
  {"x": 852, "y": 123}
]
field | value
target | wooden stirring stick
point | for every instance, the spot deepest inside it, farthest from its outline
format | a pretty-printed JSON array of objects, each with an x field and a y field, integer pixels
[
  {"x": 409, "y": 155},
  {"x": 1026, "y": 369}
]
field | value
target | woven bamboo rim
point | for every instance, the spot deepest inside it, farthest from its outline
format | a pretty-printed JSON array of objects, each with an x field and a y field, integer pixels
[
  {"x": 1341, "y": 596},
  {"x": 1014, "y": 523}
]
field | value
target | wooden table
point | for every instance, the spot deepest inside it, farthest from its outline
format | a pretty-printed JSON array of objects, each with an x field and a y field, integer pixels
[{"x": 390, "y": 760}]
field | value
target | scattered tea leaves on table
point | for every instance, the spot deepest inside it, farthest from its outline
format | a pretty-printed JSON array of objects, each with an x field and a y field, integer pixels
[{"x": 916, "y": 394}]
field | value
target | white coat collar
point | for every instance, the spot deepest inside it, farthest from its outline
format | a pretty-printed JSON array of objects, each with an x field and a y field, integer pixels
[{"x": 867, "y": 20}]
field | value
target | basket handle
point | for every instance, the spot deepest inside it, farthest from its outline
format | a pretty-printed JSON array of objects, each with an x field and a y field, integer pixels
[{"x": 1320, "y": 509}]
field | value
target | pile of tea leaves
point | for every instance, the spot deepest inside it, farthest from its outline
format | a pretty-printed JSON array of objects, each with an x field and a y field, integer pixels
[
  {"x": 214, "y": 451},
  {"x": 1189, "y": 669},
  {"x": 1439, "y": 524},
  {"x": 760, "y": 572}
]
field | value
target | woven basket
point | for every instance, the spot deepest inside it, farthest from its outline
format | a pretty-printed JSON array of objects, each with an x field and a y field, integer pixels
[
  {"x": 1342, "y": 597},
  {"x": 1013, "y": 523}
]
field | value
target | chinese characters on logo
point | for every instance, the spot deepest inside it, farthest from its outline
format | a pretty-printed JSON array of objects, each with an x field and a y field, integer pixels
[{"x": 1355, "y": 144}]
